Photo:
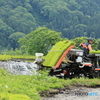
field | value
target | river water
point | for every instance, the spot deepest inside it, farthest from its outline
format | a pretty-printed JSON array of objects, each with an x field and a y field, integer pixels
[{"x": 76, "y": 93}]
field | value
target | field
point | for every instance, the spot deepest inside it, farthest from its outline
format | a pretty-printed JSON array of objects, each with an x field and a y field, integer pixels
[
  {"x": 25, "y": 87},
  {"x": 11, "y": 57}
]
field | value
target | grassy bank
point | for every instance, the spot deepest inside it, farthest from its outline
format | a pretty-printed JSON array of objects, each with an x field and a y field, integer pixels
[
  {"x": 10, "y": 57},
  {"x": 25, "y": 87}
]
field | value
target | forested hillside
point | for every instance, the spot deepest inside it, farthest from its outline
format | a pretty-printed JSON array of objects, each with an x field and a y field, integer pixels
[{"x": 74, "y": 18}]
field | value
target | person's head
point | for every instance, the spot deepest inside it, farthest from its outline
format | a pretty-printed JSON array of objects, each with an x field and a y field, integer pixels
[{"x": 90, "y": 40}]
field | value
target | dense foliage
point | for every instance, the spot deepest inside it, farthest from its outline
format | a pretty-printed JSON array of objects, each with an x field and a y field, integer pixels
[
  {"x": 74, "y": 18},
  {"x": 40, "y": 40}
]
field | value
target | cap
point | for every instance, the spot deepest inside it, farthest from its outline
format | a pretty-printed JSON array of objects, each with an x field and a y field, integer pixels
[{"x": 90, "y": 39}]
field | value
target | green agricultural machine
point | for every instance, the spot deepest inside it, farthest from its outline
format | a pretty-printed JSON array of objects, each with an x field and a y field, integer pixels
[{"x": 68, "y": 62}]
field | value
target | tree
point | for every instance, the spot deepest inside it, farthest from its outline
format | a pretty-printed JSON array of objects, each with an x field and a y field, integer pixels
[
  {"x": 39, "y": 40},
  {"x": 5, "y": 31},
  {"x": 13, "y": 38},
  {"x": 21, "y": 20},
  {"x": 80, "y": 29},
  {"x": 84, "y": 40}
]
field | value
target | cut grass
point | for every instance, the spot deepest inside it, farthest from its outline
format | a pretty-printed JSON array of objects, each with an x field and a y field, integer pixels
[{"x": 30, "y": 86}]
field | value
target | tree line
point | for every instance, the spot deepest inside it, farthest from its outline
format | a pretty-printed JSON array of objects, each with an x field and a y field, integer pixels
[{"x": 43, "y": 39}]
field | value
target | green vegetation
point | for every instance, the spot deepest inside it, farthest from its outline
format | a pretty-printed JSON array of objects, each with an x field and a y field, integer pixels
[
  {"x": 56, "y": 52},
  {"x": 14, "y": 38},
  {"x": 9, "y": 96},
  {"x": 9, "y": 57},
  {"x": 40, "y": 40},
  {"x": 73, "y": 18},
  {"x": 25, "y": 87}
]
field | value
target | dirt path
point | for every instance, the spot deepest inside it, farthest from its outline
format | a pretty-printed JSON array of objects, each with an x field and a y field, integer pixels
[{"x": 76, "y": 93}]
